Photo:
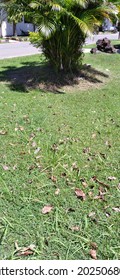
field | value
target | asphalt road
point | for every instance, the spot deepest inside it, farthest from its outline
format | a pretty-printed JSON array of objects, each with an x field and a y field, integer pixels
[
  {"x": 16, "y": 49},
  {"x": 94, "y": 38}
]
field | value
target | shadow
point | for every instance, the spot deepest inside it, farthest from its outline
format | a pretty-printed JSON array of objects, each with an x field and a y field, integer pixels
[
  {"x": 35, "y": 75},
  {"x": 117, "y": 47}
]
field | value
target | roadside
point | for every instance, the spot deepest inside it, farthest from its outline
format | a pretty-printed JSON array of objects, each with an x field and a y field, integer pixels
[
  {"x": 94, "y": 38},
  {"x": 14, "y": 48},
  {"x": 17, "y": 49}
]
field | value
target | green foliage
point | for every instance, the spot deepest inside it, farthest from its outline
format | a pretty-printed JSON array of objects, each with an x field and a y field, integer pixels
[{"x": 62, "y": 26}]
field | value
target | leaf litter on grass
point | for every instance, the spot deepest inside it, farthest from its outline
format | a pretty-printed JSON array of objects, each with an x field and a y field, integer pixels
[{"x": 91, "y": 213}]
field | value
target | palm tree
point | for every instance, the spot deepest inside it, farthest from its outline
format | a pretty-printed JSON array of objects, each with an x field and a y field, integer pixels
[{"x": 63, "y": 27}]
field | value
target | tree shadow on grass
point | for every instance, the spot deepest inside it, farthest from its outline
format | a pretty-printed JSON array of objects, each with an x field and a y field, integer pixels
[
  {"x": 34, "y": 75},
  {"x": 117, "y": 47}
]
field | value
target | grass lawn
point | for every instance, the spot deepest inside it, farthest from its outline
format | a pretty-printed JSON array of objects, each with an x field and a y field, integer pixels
[{"x": 54, "y": 142}]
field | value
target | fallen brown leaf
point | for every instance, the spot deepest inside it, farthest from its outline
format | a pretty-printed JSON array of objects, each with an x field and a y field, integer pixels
[
  {"x": 107, "y": 143},
  {"x": 3, "y": 132},
  {"x": 75, "y": 228},
  {"x": 53, "y": 178},
  {"x": 37, "y": 150},
  {"x": 5, "y": 167},
  {"x": 15, "y": 167},
  {"x": 91, "y": 214},
  {"x": 93, "y": 254},
  {"x": 119, "y": 186},
  {"x": 24, "y": 251},
  {"x": 21, "y": 128},
  {"x": 90, "y": 194},
  {"x": 101, "y": 194},
  {"x": 32, "y": 135},
  {"x": 47, "y": 209},
  {"x": 54, "y": 147},
  {"x": 70, "y": 209},
  {"x": 74, "y": 166},
  {"x": 63, "y": 174},
  {"x": 94, "y": 135},
  {"x": 84, "y": 184},
  {"x": 111, "y": 178},
  {"x": 80, "y": 194},
  {"x": 57, "y": 191},
  {"x": 94, "y": 178},
  {"x": 94, "y": 245},
  {"x": 107, "y": 214},
  {"x": 116, "y": 209},
  {"x": 34, "y": 144},
  {"x": 86, "y": 150}
]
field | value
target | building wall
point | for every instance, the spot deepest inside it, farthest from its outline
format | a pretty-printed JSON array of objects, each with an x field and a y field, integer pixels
[
  {"x": 6, "y": 28},
  {"x": 22, "y": 26}
]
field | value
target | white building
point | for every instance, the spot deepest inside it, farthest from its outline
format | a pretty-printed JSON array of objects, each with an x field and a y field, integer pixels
[{"x": 9, "y": 29}]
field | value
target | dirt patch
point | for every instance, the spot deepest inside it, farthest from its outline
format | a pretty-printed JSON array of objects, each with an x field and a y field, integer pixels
[{"x": 36, "y": 76}]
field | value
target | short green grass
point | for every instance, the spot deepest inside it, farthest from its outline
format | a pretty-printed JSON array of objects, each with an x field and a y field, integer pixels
[{"x": 58, "y": 141}]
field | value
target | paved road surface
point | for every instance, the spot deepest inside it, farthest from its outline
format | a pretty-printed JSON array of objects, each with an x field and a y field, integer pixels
[
  {"x": 94, "y": 38},
  {"x": 16, "y": 49}
]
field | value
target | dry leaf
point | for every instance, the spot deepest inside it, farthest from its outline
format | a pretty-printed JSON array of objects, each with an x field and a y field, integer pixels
[
  {"x": 90, "y": 194},
  {"x": 119, "y": 186},
  {"x": 74, "y": 166},
  {"x": 86, "y": 150},
  {"x": 57, "y": 191},
  {"x": 94, "y": 179},
  {"x": 111, "y": 178},
  {"x": 5, "y": 167},
  {"x": 84, "y": 184},
  {"x": 116, "y": 209},
  {"x": 70, "y": 209},
  {"x": 39, "y": 129},
  {"x": 24, "y": 251},
  {"x": 37, "y": 151},
  {"x": 75, "y": 228},
  {"x": 91, "y": 214},
  {"x": 94, "y": 245},
  {"x": 54, "y": 147},
  {"x": 93, "y": 254},
  {"x": 3, "y": 132},
  {"x": 107, "y": 214},
  {"x": 107, "y": 143},
  {"x": 32, "y": 135},
  {"x": 46, "y": 209},
  {"x": 53, "y": 178},
  {"x": 80, "y": 194},
  {"x": 63, "y": 174},
  {"x": 34, "y": 144},
  {"x": 93, "y": 135},
  {"x": 21, "y": 128},
  {"x": 15, "y": 167}
]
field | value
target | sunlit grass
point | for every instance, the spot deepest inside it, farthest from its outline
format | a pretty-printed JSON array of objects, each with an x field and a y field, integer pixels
[{"x": 52, "y": 142}]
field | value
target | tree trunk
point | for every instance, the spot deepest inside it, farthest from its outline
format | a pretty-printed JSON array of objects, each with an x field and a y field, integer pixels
[{"x": 14, "y": 28}]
